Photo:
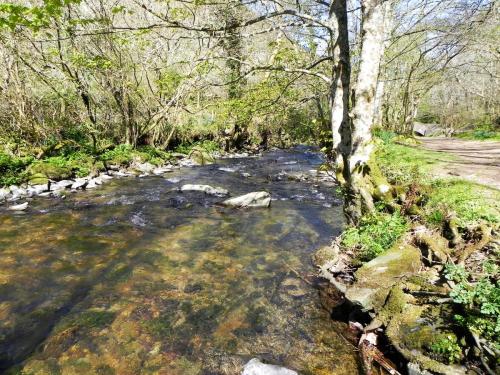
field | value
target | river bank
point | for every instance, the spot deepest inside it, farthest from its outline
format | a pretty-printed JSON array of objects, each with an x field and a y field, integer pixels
[{"x": 424, "y": 266}]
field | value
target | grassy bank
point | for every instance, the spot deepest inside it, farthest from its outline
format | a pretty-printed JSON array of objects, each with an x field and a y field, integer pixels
[{"x": 455, "y": 225}]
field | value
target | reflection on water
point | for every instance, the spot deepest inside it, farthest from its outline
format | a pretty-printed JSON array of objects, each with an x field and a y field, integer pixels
[{"x": 138, "y": 278}]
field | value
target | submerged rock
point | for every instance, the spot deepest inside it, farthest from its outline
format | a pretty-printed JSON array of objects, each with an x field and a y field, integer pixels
[
  {"x": 375, "y": 278},
  {"x": 19, "y": 207},
  {"x": 207, "y": 189},
  {"x": 256, "y": 199},
  {"x": 256, "y": 367}
]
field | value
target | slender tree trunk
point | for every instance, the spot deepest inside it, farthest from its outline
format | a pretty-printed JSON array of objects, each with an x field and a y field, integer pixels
[
  {"x": 340, "y": 88},
  {"x": 364, "y": 182}
]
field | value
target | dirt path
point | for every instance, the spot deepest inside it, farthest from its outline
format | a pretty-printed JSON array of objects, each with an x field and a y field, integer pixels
[{"x": 477, "y": 161}]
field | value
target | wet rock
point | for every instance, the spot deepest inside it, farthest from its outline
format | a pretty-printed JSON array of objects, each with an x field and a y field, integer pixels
[
  {"x": 4, "y": 194},
  {"x": 61, "y": 185},
  {"x": 207, "y": 189},
  {"x": 375, "y": 278},
  {"x": 19, "y": 207},
  {"x": 17, "y": 193},
  {"x": 414, "y": 369},
  {"x": 143, "y": 168},
  {"x": 162, "y": 170},
  {"x": 228, "y": 169},
  {"x": 256, "y": 367},
  {"x": 91, "y": 184},
  {"x": 325, "y": 255},
  {"x": 255, "y": 199},
  {"x": 36, "y": 189},
  {"x": 80, "y": 183}
]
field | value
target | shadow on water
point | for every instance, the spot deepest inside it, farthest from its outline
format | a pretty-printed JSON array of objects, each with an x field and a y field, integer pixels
[{"x": 137, "y": 278}]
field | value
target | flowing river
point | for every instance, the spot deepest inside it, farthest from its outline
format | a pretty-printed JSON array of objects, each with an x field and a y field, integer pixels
[{"x": 136, "y": 277}]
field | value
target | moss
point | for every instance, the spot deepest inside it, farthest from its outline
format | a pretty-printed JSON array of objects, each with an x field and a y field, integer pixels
[
  {"x": 394, "y": 305},
  {"x": 376, "y": 278},
  {"x": 53, "y": 168},
  {"x": 411, "y": 335},
  {"x": 38, "y": 179}
]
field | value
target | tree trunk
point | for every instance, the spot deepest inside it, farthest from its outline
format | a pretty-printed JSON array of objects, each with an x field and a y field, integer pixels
[
  {"x": 364, "y": 181},
  {"x": 340, "y": 88}
]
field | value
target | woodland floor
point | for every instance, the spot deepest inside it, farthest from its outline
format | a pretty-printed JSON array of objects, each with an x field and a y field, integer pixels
[{"x": 476, "y": 161}]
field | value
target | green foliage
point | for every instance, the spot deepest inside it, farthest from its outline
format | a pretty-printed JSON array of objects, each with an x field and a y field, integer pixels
[
  {"x": 375, "y": 234},
  {"x": 447, "y": 348},
  {"x": 207, "y": 146},
  {"x": 12, "y": 169},
  {"x": 34, "y": 17},
  {"x": 455, "y": 273},
  {"x": 120, "y": 155},
  {"x": 470, "y": 202},
  {"x": 480, "y": 297},
  {"x": 169, "y": 81},
  {"x": 480, "y": 135}
]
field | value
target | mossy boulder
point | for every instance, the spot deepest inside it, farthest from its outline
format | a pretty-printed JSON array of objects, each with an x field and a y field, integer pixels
[
  {"x": 38, "y": 179},
  {"x": 413, "y": 329},
  {"x": 375, "y": 279},
  {"x": 201, "y": 156},
  {"x": 50, "y": 171}
]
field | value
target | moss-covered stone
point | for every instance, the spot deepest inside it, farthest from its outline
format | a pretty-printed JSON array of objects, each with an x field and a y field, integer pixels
[
  {"x": 50, "y": 171},
  {"x": 38, "y": 179},
  {"x": 376, "y": 278},
  {"x": 413, "y": 330}
]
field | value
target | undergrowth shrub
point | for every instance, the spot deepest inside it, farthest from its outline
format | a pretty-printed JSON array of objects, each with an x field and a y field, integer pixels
[
  {"x": 479, "y": 296},
  {"x": 12, "y": 169}
]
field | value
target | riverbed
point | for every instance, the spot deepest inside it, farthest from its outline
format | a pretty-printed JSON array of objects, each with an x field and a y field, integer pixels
[{"x": 138, "y": 278}]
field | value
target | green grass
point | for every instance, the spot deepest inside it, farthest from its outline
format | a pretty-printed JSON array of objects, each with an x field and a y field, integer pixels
[
  {"x": 374, "y": 235},
  {"x": 471, "y": 203},
  {"x": 404, "y": 164},
  {"x": 480, "y": 135}
]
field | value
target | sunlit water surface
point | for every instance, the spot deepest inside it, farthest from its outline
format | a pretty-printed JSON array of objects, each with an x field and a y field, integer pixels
[{"x": 138, "y": 278}]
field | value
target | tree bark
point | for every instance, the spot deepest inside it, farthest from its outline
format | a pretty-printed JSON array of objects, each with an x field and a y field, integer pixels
[
  {"x": 364, "y": 181},
  {"x": 340, "y": 88}
]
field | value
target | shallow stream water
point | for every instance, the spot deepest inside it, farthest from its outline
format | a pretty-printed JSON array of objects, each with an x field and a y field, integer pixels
[{"x": 137, "y": 278}]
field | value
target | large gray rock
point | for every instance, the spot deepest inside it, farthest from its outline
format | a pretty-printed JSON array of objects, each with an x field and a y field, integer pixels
[
  {"x": 144, "y": 168},
  {"x": 428, "y": 130},
  {"x": 17, "y": 192},
  {"x": 207, "y": 189},
  {"x": 63, "y": 184},
  {"x": 256, "y": 367},
  {"x": 36, "y": 189},
  {"x": 375, "y": 279},
  {"x": 80, "y": 183},
  {"x": 256, "y": 199},
  {"x": 162, "y": 170}
]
